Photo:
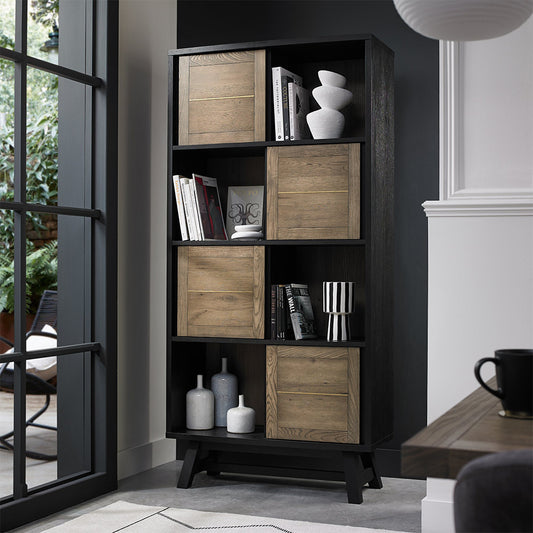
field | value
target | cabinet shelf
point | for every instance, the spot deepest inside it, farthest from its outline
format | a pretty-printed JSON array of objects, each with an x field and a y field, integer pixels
[
  {"x": 308, "y": 242},
  {"x": 249, "y": 147},
  {"x": 357, "y": 343},
  {"x": 257, "y": 438}
]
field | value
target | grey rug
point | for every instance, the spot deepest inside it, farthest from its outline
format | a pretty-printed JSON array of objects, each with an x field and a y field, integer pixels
[{"x": 130, "y": 517}]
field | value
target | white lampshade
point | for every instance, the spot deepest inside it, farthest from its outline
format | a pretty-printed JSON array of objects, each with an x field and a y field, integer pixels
[{"x": 464, "y": 20}]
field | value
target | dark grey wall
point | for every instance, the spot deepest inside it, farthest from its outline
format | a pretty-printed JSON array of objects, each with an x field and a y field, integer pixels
[{"x": 416, "y": 154}]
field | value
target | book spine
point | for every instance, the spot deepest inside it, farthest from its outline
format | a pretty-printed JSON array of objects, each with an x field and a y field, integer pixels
[
  {"x": 292, "y": 313},
  {"x": 196, "y": 210},
  {"x": 207, "y": 230},
  {"x": 180, "y": 208},
  {"x": 184, "y": 182},
  {"x": 292, "y": 110},
  {"x": 285, "y": 106},
  {"x": 273, "y": 311},
  {"x": 276, "y": 99}
]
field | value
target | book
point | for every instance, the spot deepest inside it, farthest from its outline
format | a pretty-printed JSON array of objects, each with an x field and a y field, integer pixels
[
  {"x": 285, "y": 80},
  {"x": 280, "y": 76},
  {"x": 298, "y": 110},
  {"x": 273, "y": 311},
  {"x": 196, "y": 210},
  {"x": 187, "y": 204},
  {"x": 180, "y": 208},
  {"x": 210, "y": 208},
  {"x": 301, "y": 311},
  {"x": 205, "y": 223}
]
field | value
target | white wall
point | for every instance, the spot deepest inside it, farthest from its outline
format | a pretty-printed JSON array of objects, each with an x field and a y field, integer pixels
[
  {"x": 147, "y": 30},
  {"x": 481, "y": 230}
]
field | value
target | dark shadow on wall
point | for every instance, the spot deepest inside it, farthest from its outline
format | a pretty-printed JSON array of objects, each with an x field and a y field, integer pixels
[
  {"x": 134, "y": 212},
  {"x": 416, "y": 155}
]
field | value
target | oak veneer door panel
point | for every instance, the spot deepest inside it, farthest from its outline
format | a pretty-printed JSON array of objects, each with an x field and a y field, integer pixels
[
  {"x": 312, "y": 393},
  {"x": 313, "y": 192},
  {"x": 222, "y": 97},
  {"x": 221, "y": 291}
]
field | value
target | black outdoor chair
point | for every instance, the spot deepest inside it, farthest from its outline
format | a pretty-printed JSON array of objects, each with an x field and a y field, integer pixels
[{"x": 46, "y": 314}]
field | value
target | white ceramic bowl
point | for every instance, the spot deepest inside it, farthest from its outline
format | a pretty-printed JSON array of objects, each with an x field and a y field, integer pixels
[
  {"x": 325, "y": 123},
  {"x": 333, "y": 79},
  {"x": 332, "y": 97}
]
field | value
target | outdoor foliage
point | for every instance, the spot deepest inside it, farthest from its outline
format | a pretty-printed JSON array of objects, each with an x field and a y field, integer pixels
[
  {"x": 41, "y": 152},
  {"x": 41, "y": 274}
]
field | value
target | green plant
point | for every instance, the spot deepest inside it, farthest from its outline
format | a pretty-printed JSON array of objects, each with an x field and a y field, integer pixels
[
  {"x": 41, "y": 172},
  {"x": 41, "y": 274}
]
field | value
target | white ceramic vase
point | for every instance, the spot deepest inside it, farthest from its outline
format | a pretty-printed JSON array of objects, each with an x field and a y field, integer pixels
[
  {"x": 200, "y": 407},
  {"x": 241, "y": 419},
  {"x": 328, "y": 122}
]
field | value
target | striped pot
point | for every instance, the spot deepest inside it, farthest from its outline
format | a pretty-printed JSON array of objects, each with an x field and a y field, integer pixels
[{"x": 338, "y": 299}]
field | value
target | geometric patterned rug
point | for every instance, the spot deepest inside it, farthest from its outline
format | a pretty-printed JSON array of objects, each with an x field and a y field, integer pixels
[{"x": 133, "y": 518}]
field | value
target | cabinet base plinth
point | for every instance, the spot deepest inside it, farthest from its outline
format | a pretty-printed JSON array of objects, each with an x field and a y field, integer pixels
[{"x": 356, "y": 468}]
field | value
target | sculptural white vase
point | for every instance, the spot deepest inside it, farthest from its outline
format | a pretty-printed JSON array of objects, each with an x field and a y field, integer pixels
[
  {"x": 325, "y": 123},
  {"x": 241, "y": 419},
  {"x": 200, "y": 407},
  {"x": 328, "y": 122}
]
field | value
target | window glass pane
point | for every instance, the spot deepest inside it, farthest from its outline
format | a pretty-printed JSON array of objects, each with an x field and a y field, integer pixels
[
  {"x": 7, "y": 154},
  {"x": 6, "y": 426},
  {"x": 65, "y": 443},
  {"x": 46, "y": 32},
  {"x": 43, "y": 33},
  {"x": 58, "y": 280},
  {"x": 41, "y": 138},
  {"x": 56, "y": 142},
  {"x": 7, "y": 27}
]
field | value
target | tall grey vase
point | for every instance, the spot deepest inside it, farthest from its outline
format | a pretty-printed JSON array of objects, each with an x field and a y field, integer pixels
[
  {"x": 200, "y": 407},
  {"x": 224, "y": 387}
]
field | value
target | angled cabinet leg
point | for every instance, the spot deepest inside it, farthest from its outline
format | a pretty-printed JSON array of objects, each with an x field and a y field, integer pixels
[
  {"x": 353, "y": 475},
  {"x": 369, "y": 461},
  {"x": 188, "y": 468}
]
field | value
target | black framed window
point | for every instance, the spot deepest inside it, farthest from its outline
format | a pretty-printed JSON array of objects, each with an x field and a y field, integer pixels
[{"x": 58, "y": 231}]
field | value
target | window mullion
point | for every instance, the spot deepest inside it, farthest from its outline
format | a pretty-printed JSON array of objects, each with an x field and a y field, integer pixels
[{"x": 20, "y": 488}]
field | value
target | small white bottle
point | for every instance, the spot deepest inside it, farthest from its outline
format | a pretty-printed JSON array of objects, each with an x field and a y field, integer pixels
[
  {"x": 241, "y": 419},
  {"x": 200, "y": 406}
]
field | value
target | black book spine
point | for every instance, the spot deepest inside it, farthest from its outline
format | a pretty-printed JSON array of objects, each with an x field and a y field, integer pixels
[{"x": 273, "y": 312}]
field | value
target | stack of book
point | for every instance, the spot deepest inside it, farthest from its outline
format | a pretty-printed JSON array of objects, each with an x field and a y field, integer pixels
[
  {"x": 198, "y": 206},
  {"x": 291, "y": 105},
  {"x": 291, "y": 312}
]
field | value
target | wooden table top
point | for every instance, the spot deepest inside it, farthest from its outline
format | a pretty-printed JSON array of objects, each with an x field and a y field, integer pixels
[{"x": 470, "y": 429}]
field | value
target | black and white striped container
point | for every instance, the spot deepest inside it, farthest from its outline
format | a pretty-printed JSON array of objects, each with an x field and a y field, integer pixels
[{"x": 338, "y": 299}]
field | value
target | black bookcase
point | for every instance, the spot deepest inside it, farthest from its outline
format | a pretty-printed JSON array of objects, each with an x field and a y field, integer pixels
[{"x": 368, "y": 65}]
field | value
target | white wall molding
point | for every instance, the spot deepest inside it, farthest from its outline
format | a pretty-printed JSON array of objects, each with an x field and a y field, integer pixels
[
  {"x": 476, "y": 207},
  {"x": 450, "y": 119},
  {"x": 145, "y": 457},
  {"x": 452, "y": 139}
]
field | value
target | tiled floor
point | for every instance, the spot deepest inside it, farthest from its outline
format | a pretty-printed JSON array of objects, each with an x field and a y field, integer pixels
[{"x": 395, "y": 507}]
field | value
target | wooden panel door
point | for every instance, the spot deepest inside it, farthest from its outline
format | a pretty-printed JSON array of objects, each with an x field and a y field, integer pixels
[
  {"x": 222, "y": 97},
  {"x": 313, "y": 192},
  {"x": 221, "y": 291},
  {"x": 312, "y": 393}
]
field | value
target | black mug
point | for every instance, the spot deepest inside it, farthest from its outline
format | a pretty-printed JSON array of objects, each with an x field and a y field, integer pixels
[{"x": 514, "y": 378}]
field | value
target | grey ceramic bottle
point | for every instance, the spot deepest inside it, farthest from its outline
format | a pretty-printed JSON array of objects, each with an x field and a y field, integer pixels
[
  {"x": 200, "y": 407},
  {"x": 224, "y": 387}
]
